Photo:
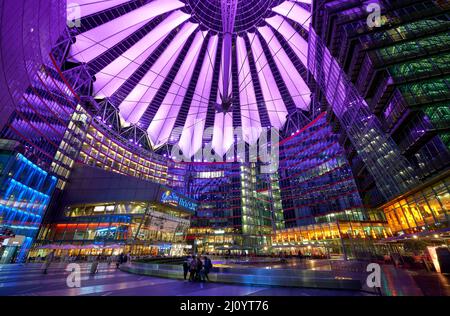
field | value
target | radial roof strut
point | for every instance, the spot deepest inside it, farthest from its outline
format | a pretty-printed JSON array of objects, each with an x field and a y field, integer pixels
[
  {"x": 229, "y": 8},
  {"x": 167, "y": 82}
]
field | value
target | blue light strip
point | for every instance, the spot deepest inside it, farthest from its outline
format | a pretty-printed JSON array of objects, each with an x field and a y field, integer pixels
[{"x": 24, "y": 199}]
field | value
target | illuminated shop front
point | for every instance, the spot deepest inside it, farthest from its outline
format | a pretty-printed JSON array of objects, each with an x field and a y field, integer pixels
[
  {"x": 423, "y": 209},
  {"x": 25, "y": 191},
  {"x": 216, "y": 240},
  {"x": 105, "y": 213},
  {"x": 345, "y": 239},
  {"x": 111, "y": 228}
]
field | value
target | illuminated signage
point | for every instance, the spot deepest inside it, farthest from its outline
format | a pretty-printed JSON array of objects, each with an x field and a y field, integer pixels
[
  {"x": 172, "y": 198},
  {"x": 14, "y": 241},
  {"x": 108, "y": 233}
]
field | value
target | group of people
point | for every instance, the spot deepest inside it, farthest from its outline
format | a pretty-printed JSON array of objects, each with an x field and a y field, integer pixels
[
  {"x": 198, "y": 270},
  {"x": 122, "y": 259}
]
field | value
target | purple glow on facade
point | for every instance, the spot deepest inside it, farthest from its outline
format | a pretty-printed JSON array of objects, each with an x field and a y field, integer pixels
[{"x": 223, "y": 137}]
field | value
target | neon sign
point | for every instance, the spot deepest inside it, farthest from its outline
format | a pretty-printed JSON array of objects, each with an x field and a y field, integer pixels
[{"x": 172, "y": 198}]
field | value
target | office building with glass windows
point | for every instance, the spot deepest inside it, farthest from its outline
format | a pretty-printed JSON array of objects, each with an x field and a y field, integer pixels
[{"x": 25, "y": 193}]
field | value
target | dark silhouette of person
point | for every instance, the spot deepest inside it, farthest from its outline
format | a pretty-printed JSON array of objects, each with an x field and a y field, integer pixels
[
  {"x": 185, "y": 268},
  {"x": 206, "y": 268}
]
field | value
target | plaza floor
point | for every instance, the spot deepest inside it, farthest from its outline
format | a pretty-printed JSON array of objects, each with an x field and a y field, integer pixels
[{"x": 28, "y": 280}]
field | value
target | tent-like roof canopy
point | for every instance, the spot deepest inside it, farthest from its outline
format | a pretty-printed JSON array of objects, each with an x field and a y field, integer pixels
[{"x": 195, "y": 64}]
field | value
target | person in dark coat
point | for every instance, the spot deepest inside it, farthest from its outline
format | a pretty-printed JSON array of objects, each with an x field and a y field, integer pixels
[
  {"x": 192, "y": 269},
  {"x": 94, "y": 266},
  {"x": 185, "y": 268},
  {"x": 199, "y": 268},
  {"x": 207, "y": 266},
  {"x": 48, "y": 261},
  {"x": 124, "y": 258},
  {"x": 119, "y": 260}
]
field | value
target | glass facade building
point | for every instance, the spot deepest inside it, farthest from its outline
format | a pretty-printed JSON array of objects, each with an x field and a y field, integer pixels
[
  {"x": 104, "y": 213},
  {"x": 138, "y": 228},
  {"x": 236, "y": 211},
  {"x": 25, "y": 191},
  {"x": 387, "y": 87},
  {"x": 334, "y": 239},
  {"x": 41, "y": 117},
  {"x": 317, "y": 183},
  {"x": 422, "y": 211}
]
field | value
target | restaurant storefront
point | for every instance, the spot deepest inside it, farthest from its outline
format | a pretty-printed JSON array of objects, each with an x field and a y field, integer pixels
[
  {"x": 424, "y": 209},
  {"x": 103, "y": 213},
  {"x": 339, "y": 239}
]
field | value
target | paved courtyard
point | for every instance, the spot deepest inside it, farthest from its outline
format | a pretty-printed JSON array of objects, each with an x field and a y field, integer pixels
[{"x": 28, "y": 280}]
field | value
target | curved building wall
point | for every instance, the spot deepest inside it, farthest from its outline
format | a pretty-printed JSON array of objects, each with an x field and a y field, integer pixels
[
  {"x": 28, "y": 30},
  {"x": 91, "y": 142}
]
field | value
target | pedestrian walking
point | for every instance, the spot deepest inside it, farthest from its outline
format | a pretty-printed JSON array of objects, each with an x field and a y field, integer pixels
[
  {"x": 185, "y": 268},
  {"x": 119, "y": 260},
  {"x": 94, "y": 266},
  {"x": 192, "y": 269},
  {"x": 48, "y": 261},
  {"x": 207, "y": 266},
  {"x": 198, "y": 271}
]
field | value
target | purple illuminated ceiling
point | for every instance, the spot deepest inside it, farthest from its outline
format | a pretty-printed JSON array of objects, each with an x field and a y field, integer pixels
[{"x": 162, "y": 64}]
